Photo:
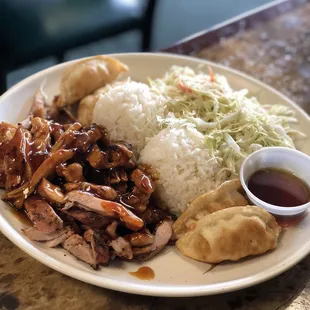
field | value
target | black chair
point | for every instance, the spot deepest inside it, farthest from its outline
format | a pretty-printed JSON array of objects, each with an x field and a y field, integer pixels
[{"x": 34, "y": 29}]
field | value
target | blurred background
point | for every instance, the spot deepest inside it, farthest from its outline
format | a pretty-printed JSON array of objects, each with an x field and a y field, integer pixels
[{"x": 41, "y": 33}]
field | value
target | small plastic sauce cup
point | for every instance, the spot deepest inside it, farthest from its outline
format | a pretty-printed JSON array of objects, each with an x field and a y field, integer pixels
[{"x": 287, "y": 159}]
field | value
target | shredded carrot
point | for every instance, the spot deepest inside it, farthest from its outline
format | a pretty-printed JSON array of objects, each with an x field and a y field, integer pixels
[
  {"x": 184, "y": 88},
  {"x": 211, "y": 73}
]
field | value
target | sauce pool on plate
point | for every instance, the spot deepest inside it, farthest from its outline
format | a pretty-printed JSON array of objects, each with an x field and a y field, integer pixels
[
  {"x": 21, "y": 216},
  {"x": 279, "y": 187},
  {"x": 143, "y": 273}
]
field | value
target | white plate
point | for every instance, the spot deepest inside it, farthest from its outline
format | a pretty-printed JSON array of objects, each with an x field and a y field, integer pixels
[{"x": 175, "y": 275}]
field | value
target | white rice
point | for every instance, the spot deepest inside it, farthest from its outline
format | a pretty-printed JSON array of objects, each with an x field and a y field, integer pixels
[
  {"x": 186, "y": 169},
  {"x": 128, "y": 111}
]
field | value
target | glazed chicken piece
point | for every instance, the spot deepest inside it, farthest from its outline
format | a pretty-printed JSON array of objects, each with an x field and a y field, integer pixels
[
  {"x": 66, "y": 137},
  {"x": 137, "y": 199},
  {"x": 142, "y": 181},
  {"x": 116, "y": 155},
  {"x": 56, "y": 130},
  {"x": 152, "y": 215},
  {"x": 50, "y": 192},
  {"x": 162, "y": 237},
  {"x": 72, "y": 173},
  {"x": 104, "y": 208},
  {"x": 41, "y": 135},
  {"x": 87, "y": 137},
  {"x": 117, "y": 176},
  {"x": 140, "y": 239},
  {"x": 78, "y": 139},
  {"x": 48, "y": 167},
  {"x": 7, "y": 132},
  {"x": 101, "y": 191},
  {"x": 140, "y": 194},
  {"x": 97, "y": 158},
  {"x": 16, "y": 159},
  {"x": 42, "y": 214}
]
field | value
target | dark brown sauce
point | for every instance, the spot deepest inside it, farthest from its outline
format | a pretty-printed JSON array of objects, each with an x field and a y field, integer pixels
[
  {"x": 143, "y": 273},
  {"x": 279, "y": 187},
  {"x": 21, "y": 216}
]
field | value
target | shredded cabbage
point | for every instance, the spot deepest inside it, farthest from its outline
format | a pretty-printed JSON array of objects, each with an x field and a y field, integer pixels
[{"x": 233, "y": 124}]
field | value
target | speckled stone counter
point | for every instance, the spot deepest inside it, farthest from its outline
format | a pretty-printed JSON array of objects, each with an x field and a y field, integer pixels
[{"x": 276, "y": 51}]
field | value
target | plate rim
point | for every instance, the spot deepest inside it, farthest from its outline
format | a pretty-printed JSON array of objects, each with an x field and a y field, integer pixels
[{"x": 155, "y": 289}]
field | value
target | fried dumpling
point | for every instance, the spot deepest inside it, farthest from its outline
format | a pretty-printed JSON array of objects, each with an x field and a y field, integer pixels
[
  {"x": 87, "y": 104},
  {"x": 225, "y": 196},
  {"x": 231, "y": 234},
  {"x": 84, "y": 77}
]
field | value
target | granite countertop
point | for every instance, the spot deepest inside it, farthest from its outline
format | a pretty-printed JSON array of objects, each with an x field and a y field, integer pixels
[{"x": 277, "y": 52}]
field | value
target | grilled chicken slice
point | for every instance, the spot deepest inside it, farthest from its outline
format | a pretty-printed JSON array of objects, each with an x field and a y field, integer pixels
[
  {"x": 162, "y": 237},
  {"x": 105, "y": 208},
  {"x": 42, "y": 214},
  {"x": 50, "y": 192},
  {"x": 46, "y": 168},
  {"x": 72, "y": 173},
  {"x": 88, "y": 218},
  {"x": 60, "y": 239},
  {"x": 122, "y": 248},
  {"x": 99, "y": 247},
  {"x": 51, "y": 239},
  {"x": 78, "y": 247}
]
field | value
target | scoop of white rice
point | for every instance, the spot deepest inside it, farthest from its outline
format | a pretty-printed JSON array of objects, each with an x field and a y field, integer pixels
[
  {"x": 128, "y": 111},
  {"x": 185, "y": 167}
]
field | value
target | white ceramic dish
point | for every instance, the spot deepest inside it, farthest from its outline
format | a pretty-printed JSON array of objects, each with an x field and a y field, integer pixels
[
  {"x": 175, "y": 275},
  {"x": 290, "y": 160}
]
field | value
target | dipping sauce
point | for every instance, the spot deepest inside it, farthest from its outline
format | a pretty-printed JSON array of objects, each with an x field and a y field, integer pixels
[
  {"x": 143, "y": 273},
  {"x": 279, "y": 187},
  {"x": 286, "y": 221}
]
